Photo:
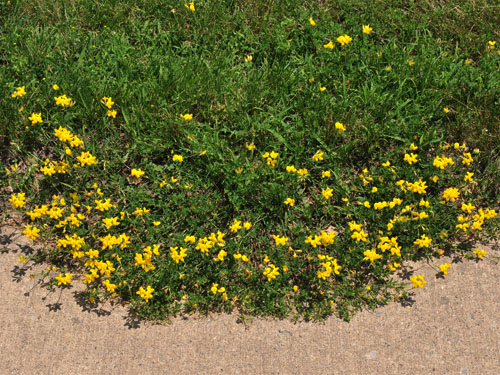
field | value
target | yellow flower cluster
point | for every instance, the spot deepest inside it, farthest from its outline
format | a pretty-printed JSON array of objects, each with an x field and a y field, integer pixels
[
  {"x": 423, "y": 241},
  {"x": 63, "y": 101},
  {"x": 451, "y": 194},
  {"x": 371, "y": 255},
  {"x": 391, "y": 244},
  {"x": 318, "y": 156},
  {"x": 145, "y": 259},
  {"x": 146, "y": 294},
  {"x": 329, "y": 266},
  {"x": 64, "y": 135},
  {"x": 136, "y": 173},
  {"x": 75, "y": 241},
  {"x": 418, "y": 281},
  {"x": 31, "y": 232},
  {"x": 20, "y": 92},
  {"x": 327, "y": 193},
  {"x": 271, "y": 272},
  {"x": 410, "y": 158},
  {"x": 206, "y": 243},
  {"x": 66, "y": 279},
  {"x": 35, "y": 118},
  {"x": 280, "y": 240},
  {"x": 324, "y": 239},
  {"x": 344, "y": 39},
  {"x": 86, "y": 158},
  {"x": 18, "y": 200},
  {"x": 108, "y": 102},
  {"x": 442, "y": 162},
  {"x": 73, "y": 221},
  {"x": 270, "y": 157},
  {"x": 444, "y": 268},
  {"x": 418, "y": 187},
  {"x": 178, "y": 256}
]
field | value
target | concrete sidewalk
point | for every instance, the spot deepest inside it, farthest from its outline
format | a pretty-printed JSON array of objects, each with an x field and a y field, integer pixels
[{"x": 453, "y": 327}]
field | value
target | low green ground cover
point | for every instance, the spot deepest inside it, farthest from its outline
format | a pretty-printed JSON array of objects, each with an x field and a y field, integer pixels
[{"x": 224, "y": 155}]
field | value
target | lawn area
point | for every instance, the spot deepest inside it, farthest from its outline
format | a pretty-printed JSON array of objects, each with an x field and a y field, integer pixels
[{"x": 272, "y": 159}]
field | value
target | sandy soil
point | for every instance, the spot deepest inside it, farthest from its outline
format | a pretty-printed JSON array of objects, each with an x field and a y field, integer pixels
[{"x": 453, "y": 327}]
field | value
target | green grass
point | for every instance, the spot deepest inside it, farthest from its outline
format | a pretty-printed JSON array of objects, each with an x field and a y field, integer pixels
[{"x": 157, "y": 61}]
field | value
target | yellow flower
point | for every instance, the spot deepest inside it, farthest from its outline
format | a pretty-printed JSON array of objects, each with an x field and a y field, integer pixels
[
  {"x": 325, "y": 174},
  {"x": 31, "y": 232},
  {"x": 446, "y": 110},
  {"x": 468, "y": 176},
  {"x": 371, "y": 255},
  {"x": 418, "y": 281},
  {"x": 322, "y": 89},
  {"x": 190, "y": 6},
  {"x": 374, "y": 189},
  {"x": 110, "y": 222},
  {"x": 302, "y": 171},
  {"x": 280, "y": 240},
  {"x": 137, "y": 173},
  {"x": 311, "y": 21},
  {"x": 467, "y": 158},
  {"x": 103, "y": 206},
  {"x": 410, "y": 159},
  {"x": 18, "y": 200},
  {"x": 480, "y": 253},
  {"x": 178, "y": 256},
  {"x": 444, "y": 268},
  {"x": 386, "y": 164},
  {"x": 247, "y": 225},
  {"x": 367, "y": 29},
  {"x": 214, "y": 288},
  {"x": 20, "y": 91},
  {"x": 146, "y": 294},
  {"x": 413, "y": 147},
  {"x": 156, "y": 223},
  {"x": 221, "y": 255},
  {"x": 451, "y": 194},
  {"x": 178, "y": 158},
  {"x": 327, "y": 193},
  {"x": 236, "y": 226},
  {"x": 187, "y": 116},
  {"x": 468, "y": 61},
  {"x": 291, "y": 169},
  {"x": 35, "y": 118},
  {"x": 63, "y": 101},
  {"x": 66, "y": 279},
  {"x": 248, "y": 58},
  {"x": 340, "y": 127},
  {"x": 344, "y": 39},
  {"x": 271, "y": 272},
  {"x": 250, "y": 146},
  {"x": 190, "y": 239},
  {"x": 55, "y": 87},
  {"x": 468, "y": 207},
  {"x": 109, "y": 287},
  {"x": 329, "y": 45},
  {"x": 112, "y": 113},
  {"x": 290, "y": 202},
  {"x": 360, "y": 236},
  {"x": 492, "y": 44},
  {"x": 423, "y": 241},
  {"x": 86, "y": 158},
  {"x": 318, "y": 156}
]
